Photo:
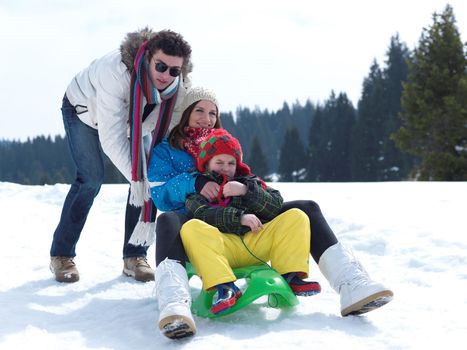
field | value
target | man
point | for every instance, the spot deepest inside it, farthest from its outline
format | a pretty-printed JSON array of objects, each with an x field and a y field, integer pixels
[{"x": 119, "y": 105}]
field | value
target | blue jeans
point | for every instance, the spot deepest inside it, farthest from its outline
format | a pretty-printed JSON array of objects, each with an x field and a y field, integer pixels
[{"x": 87, "y": 155}]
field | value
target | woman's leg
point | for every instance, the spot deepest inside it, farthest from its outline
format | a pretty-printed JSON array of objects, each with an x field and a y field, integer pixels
[
  {"x": 168, "y": 241},
  {"x": 174, "y": 300},
  {"x": 171, "y": 281},
  {"x": 322, "y": 236},
  {"x": 358, "y": 292}
]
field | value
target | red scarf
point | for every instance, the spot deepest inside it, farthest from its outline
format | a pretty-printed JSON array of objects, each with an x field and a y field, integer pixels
[{"x": 193, "y": 139}]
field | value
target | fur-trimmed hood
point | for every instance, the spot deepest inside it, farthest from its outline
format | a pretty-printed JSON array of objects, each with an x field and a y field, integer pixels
[{"x": 131, "y": 43}]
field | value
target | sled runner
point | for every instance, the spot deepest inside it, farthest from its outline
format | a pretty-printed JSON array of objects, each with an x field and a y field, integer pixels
[{"x": 261, "y": 280}]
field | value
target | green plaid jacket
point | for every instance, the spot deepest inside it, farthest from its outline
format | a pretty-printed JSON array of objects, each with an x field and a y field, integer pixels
[{"x": 264, "y": 203}]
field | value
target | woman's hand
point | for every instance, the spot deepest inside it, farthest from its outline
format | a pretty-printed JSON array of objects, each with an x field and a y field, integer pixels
[
  {"x": 234, "y": 188},
  {"x": 210, "y": 191},
  {"x": 252, "y": 221}
]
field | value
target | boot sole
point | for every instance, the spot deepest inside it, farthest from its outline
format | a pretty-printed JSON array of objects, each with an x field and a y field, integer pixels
[
  {"x": 302, "y": 291},
  {"x": 177, "y": 327},
  {"x": 307, "y": 293},
  {"x": 68, "y": 278},
  {"x": 367, "y": 304}
]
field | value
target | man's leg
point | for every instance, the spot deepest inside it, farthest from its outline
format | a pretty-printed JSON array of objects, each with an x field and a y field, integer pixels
[
  {"x": 86, "y": 154},
  {"x": 135, "y": 263}
]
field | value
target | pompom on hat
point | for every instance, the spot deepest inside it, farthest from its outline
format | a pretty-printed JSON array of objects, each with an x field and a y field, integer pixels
[
  {"x": 219, "y": 141},
  {"x": 196, "y": 94}
]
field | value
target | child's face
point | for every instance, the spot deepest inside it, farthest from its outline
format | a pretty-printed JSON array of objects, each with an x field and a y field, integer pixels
[
  {"x": 204, "y": 115},
  {"x": 224, "y": 164}
]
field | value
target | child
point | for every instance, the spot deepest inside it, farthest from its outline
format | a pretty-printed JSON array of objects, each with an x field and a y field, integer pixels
[{"x": 241, "y": 226}]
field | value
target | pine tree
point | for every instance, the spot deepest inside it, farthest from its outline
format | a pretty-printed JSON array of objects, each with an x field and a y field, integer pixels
[
  {"x": 368, "y": 134},
  {"x": 334, "y": 127},
  {"x": 256, "y": 159},
  {"x": 315, "y": 146},
  {"x": 341, "y": 136},
  {"x": 292, "y": 160},
  {"x": 374, "y": 155},
  {"x": 434, "y": 102},
  {"x": 395, "y": 164},
  {"x": 329, "y": 154}
]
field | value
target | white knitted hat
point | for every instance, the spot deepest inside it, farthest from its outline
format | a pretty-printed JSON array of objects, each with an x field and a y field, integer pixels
[{"x": 196, "y": 94}]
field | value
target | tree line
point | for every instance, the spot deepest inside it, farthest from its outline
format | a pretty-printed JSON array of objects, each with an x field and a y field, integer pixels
[{"x": 410, "y": 123}]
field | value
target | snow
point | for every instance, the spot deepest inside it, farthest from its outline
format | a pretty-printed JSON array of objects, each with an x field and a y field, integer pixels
[{"x": 410, "y": 235}]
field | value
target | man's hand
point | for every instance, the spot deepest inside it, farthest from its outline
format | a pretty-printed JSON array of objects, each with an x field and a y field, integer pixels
[
  {"x": 210, "y": 191},
  {"x": 252, "y": 221},
  {"x": 234, "y": 188}
]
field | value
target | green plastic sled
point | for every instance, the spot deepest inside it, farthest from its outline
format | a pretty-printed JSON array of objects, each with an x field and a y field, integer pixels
[{"x": 261, "y": 280}]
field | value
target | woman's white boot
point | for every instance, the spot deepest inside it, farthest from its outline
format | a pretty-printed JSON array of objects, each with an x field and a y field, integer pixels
[
  {"x": 358, "y": 292},
  {"x": 174, "y": 300}
]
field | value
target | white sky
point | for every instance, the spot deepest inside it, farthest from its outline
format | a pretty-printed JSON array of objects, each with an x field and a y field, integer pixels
[{"x": 252, "y": 53}]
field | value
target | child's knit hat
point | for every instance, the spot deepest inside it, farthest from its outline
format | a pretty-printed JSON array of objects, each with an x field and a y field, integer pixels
[{"x": 219, "y": 141}]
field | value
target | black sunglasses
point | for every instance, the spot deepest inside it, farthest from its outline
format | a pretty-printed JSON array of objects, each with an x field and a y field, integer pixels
[{"x": 161, "y": 67}]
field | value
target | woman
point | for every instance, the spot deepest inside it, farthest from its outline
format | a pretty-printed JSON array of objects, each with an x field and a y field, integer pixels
[{"x": 172, "y": 176}]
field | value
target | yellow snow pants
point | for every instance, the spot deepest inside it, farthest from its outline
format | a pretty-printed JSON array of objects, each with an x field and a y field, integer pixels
[{"x": 285, "y": 241}]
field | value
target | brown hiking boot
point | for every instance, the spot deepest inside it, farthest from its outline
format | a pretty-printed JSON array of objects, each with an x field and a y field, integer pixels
[
  {"x": 138, "y": 268},
  {"x": 64, "y": 269}
]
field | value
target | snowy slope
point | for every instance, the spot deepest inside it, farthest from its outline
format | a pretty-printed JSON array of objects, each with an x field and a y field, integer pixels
[{"x": 411, "y": 236}]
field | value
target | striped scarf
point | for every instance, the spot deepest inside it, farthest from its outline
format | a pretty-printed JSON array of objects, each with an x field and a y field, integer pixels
[{"x": 141, "y": 85}]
